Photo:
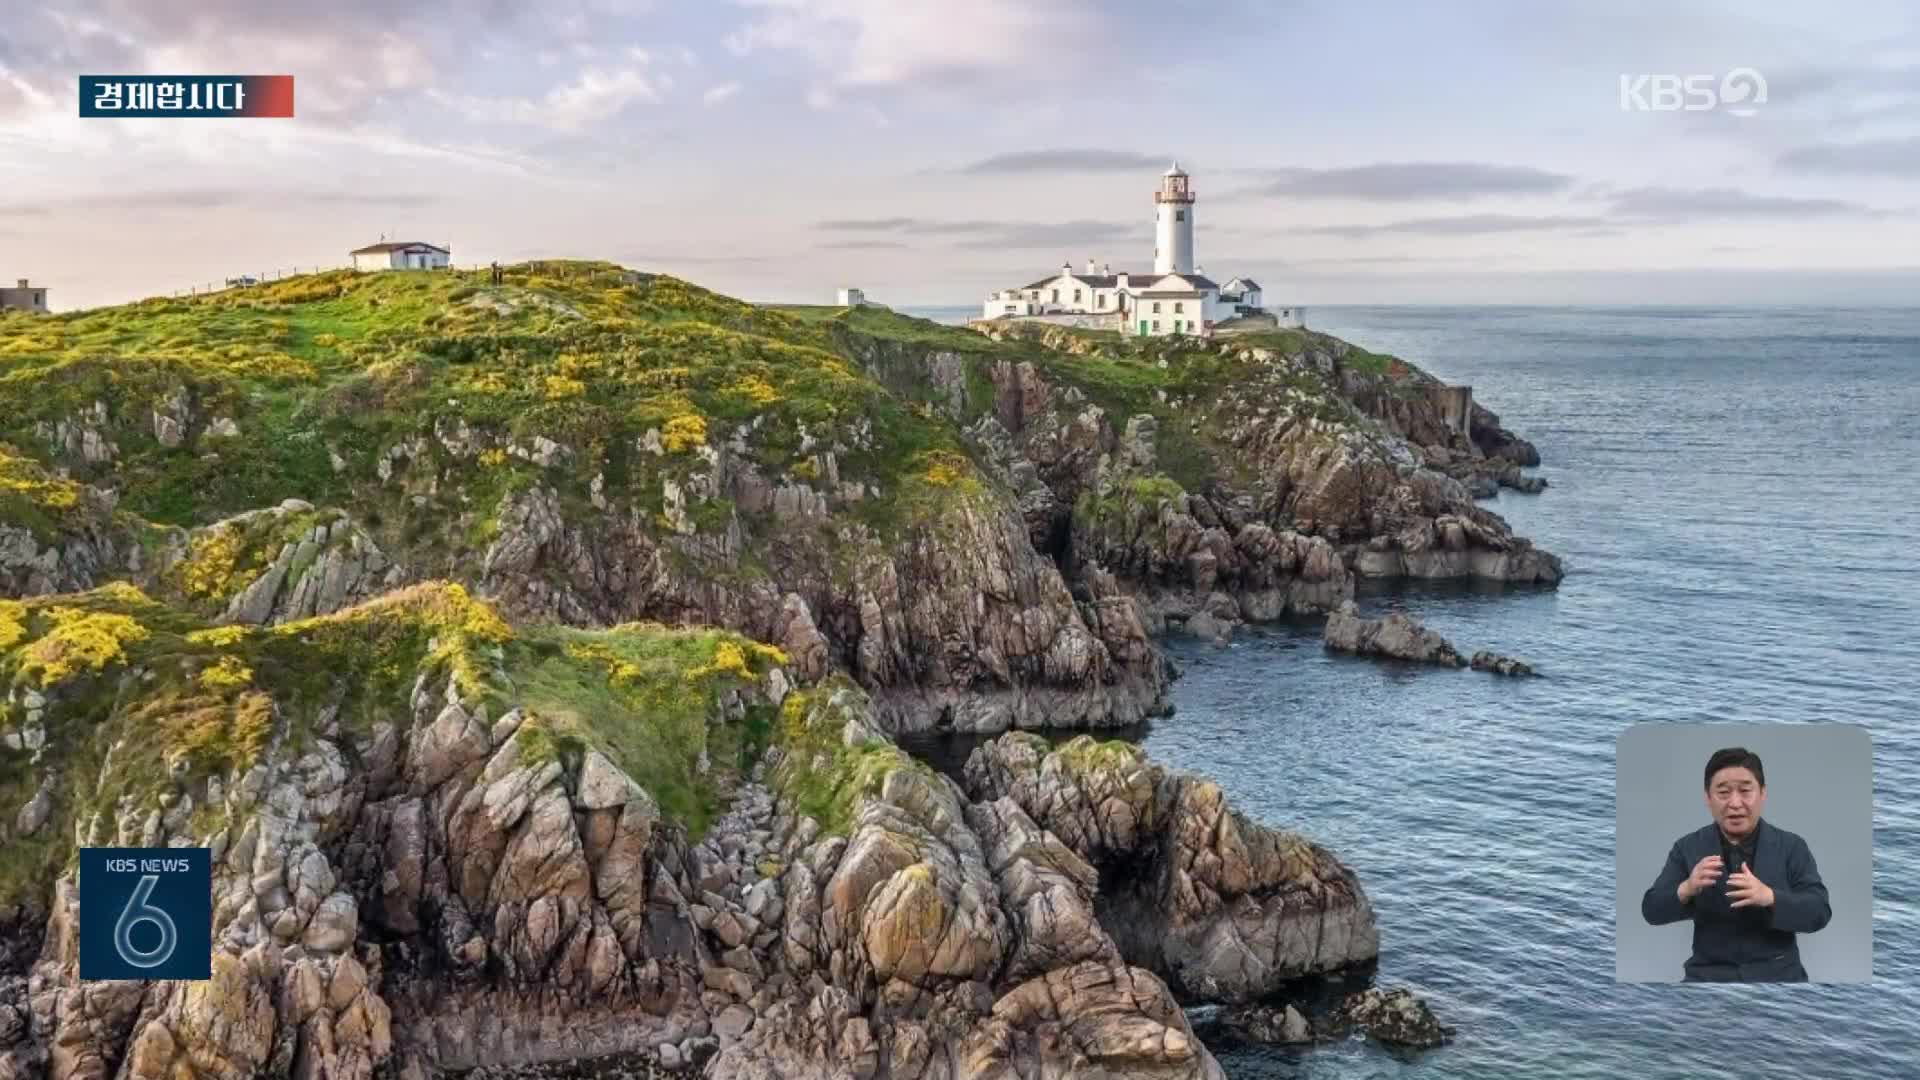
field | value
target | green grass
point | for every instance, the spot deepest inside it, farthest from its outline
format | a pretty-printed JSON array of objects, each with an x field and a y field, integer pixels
[
  {"x": 639, "y": 694},
  {"x": 1370, "y": 363},
  {"x": 1087, "y": 754},
  {"x": 586, "y": 354},
  {"x": 820, "y": 775},
  {"x": 646, "y": 695}
]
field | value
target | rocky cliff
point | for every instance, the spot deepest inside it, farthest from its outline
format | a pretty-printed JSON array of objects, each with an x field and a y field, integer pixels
[
  {"x": 981, "y": 530},
  {"x": 442, "y": 842},
  {"x": 528, "y": 656}
]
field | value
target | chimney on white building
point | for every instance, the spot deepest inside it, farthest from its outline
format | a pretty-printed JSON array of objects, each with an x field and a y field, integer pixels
[
  {"x": 1090, "y": 264},
  {"x": 1106, "y": 269}
]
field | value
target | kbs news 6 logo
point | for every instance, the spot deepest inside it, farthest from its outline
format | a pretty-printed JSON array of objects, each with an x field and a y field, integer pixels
[{"x": 146, "y": 913}]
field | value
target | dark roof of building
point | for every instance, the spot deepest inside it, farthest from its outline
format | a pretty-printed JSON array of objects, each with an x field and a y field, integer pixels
[
  {"x": 1159, "y": 294},
  {"x": 396, "y": 245},
  {"x": 1143, "y": 279},
  {"x": 1246, "y": 282},
  {"x": 1098, "y": 281}
]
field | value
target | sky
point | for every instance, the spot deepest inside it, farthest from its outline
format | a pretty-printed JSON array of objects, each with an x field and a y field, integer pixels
[{"x": 928, "y": 152}]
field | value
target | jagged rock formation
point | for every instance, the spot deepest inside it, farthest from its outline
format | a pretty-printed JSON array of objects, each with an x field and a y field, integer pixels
[
  {"x": 1033, "y": 658},
  {"x": 57, "y": 535},
  {"x": 1483, "y": 476},
  {"x": 425, "y": 877},
  {"x": 1484, "y": 660},
  {"x": 1305, "y": 489},
  {"x": 953, "y": 939},
  {"x": 1394, "y": 635},
  {"x": 1227, "y": 910}
]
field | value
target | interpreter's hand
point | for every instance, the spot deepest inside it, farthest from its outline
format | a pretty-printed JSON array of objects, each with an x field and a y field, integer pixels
[
  {"x": 1705, "y": 873},
  {"x": 1747, "y": 890}
]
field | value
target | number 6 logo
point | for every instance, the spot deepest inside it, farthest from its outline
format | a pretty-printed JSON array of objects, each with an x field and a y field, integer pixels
[{"x": 139, "y": 911}]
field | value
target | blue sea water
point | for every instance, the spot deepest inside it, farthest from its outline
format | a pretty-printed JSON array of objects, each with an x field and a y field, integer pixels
[{"x": 1734, "y": 494}]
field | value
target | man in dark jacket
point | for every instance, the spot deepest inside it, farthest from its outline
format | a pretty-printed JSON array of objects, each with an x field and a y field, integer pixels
[{"x": 1748, "y": 886}]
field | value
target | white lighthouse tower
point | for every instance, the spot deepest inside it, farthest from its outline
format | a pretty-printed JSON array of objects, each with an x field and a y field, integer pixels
[{"x": 1173, "y": 224}]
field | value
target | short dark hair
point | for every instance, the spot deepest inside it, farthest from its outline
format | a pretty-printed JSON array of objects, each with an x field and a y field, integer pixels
[{"x": 1735, "y": 757}]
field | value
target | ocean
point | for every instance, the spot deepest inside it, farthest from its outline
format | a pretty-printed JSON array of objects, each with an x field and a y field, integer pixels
[{"x": 1733, "y": 493}]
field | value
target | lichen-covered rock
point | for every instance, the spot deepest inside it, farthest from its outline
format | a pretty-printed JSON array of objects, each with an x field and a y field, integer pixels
[
  {"x": 1395, "y": 1017},
  {"x": 1090, "y": 1019},
  {"x": 1047, "y": 890}
]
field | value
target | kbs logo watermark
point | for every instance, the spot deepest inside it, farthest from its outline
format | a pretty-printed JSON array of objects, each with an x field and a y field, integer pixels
[
  {"x": 158, "y": 96},
  {"x": 146, "y": 913},
  {"x": 1739, "y": 92}
]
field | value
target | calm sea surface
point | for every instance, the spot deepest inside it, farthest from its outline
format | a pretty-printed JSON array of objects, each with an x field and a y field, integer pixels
[{"x": 1734, "y": 494}]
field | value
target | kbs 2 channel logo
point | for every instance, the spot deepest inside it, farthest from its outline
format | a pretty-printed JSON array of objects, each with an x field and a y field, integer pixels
[{"x": 146, "y": 913}]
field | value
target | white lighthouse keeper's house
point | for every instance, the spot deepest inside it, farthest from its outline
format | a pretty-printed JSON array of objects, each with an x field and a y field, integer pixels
[{"x": 1173, "y": 298}]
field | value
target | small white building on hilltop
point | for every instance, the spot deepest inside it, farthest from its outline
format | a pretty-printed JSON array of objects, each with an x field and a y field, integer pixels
[
  {"x": 852, "y": 298},
  {"x": 1172, "y": 298},
  {"x": 24, "y": 297},
  {"x": 401, "y": 255}
]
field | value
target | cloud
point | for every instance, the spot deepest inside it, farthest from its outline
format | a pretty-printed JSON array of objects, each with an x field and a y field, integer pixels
[
  {"x": 996, "y": 235},
  {"x": 1658, "y": 204},
  {"x": 1071, "y": 235},
  {"x": 597, "y": 93},
  {"x": 867, "y": 245},
  {"x": 876, "y": 43},
  {"x": 1896, "y": 157},
  {"x": 995, "y": 50},
  {"x": 717, "y": 94},
  {"x": 1045, "y": 161},
  {"x": 1627, "y": 208},
  {"x": 644, "y": 260},
  {"x": 925, "y": 226},
  {"x": 1409, "y": 181},
  {"x": 200, "y": 199},
  {"x": 1467, "y": 225},
  {"x": 866, "y": 224},
  {"x": 593, "y": 95}
]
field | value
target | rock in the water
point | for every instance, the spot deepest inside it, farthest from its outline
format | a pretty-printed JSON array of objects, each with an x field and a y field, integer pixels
[
  {"x": 1526, "y": 485},
  {"x": 1500, "y": 665},
  {"x": 1393, "y": 1016},
  {"x": 1279, "y": 1024},
  {"x": 1396, "y": 635}
]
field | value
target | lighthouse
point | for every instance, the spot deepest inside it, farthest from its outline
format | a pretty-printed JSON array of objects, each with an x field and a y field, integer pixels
[
  {"x": 1173, "y": 298},
  {"x": 1173, "y": 224}
]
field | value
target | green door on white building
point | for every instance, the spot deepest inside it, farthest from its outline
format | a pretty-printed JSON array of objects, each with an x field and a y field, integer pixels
[{"x": 1143, "y": 328}]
